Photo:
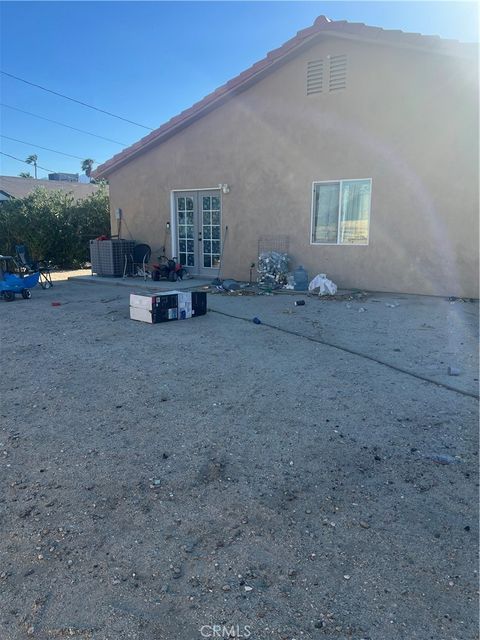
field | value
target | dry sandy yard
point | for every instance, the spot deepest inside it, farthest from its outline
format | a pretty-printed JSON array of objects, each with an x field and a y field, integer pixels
[{"x": 159, "y": 480}]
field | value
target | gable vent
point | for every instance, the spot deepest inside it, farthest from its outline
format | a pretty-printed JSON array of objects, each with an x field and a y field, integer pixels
[
  {"x": 338, "y": 73},
  {"x": 314, "y": 77}
]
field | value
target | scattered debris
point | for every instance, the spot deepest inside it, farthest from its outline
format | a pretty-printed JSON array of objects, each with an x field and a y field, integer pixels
[
  {"x": 392, "y": 305},
  {"x": 325, "y": 286},
  {"x": 299, "y": 303},
  {"x": 273, "y": 269},
  {"x": 440, "y": 458},
  {"x": 231, "y": 285},
  {"x": 257, "y": 320},
  {"x": 453, "y": 371},
  {"x": 362, "y": 310}
]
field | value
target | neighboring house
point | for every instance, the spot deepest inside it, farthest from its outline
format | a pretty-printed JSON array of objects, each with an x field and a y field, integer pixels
[
  {"x": 14, "y": 187},
  {"x": 355, "y": 146},
  {"x": 65, "y": 177}
]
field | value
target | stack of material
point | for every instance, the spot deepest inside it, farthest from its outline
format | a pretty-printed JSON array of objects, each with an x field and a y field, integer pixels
[
  {"x": 167, "y": 305},
  {"x": 273, "y": 269}
]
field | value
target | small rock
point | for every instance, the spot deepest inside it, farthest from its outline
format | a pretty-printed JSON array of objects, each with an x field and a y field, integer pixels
[
  {"x": 247, "y": 588},
  {"x": 226, "y": 587},
  {"x": 347, "y": 577},
  {"x": 364, "y": 524},
  {"x": 442, "y": 458}
]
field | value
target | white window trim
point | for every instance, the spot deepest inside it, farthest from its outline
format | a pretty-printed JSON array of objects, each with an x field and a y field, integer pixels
[{"x": 337, "y": 243}]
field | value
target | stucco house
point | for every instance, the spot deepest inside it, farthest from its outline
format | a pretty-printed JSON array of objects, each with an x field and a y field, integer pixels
[{"x": 356, "y": 146}]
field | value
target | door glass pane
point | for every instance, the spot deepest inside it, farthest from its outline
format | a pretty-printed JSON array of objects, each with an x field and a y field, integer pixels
[
  {"x": 325, "y": 212},
  {"x": 211, "y": 230},
  {"x": 185, "y": 229},
  {"x": 355, "y": 211}
]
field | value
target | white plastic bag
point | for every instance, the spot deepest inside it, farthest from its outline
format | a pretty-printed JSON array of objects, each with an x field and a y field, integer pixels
[{"x": 325, "y": 286}]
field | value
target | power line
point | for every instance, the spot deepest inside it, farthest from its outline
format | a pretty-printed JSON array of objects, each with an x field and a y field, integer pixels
[
  {"x": 30, "y": 144},
  {"x": 84, "y": 104},
  {"x": 25, "y": 162},
  {"x": 2, "y": 104}
]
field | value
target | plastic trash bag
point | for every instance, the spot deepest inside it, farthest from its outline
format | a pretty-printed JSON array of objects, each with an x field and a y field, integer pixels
[{"x": 325, "y": 286}]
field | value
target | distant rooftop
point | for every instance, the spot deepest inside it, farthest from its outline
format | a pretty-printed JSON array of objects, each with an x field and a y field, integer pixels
[{"x": 16, "y": 187}]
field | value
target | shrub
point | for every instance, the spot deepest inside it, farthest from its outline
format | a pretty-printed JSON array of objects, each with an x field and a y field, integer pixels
[{"x": 54, "y": 226}]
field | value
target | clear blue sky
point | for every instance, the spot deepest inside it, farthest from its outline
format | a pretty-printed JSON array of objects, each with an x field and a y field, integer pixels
[{"x": 147, "y": 61}]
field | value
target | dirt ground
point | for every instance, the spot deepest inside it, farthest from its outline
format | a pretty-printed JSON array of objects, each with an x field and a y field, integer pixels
[{"x": 213, "y": 476}]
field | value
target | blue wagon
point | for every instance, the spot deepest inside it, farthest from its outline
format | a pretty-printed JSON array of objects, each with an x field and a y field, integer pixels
[{"x": 12, "y": 283}]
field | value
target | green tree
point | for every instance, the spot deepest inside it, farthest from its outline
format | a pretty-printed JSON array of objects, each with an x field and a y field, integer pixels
[
  {"x": 33, "y": 160},
  {"x": 25, "y": 174},
  {"x": 87, "y": 166}
]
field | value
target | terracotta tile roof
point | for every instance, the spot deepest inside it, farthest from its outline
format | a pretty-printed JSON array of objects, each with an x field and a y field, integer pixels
[{"x": 321, "y": 26}]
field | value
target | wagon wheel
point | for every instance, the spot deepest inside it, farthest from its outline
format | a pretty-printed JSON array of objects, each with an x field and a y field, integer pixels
[
  {"x": 26, "y": 294},
  {"x": 8, "y": 296},
  {"x": 46, "y": 285}
]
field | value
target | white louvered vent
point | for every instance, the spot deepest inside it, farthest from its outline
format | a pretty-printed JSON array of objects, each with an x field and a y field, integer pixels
[
  {"x": 314, "y": 77},
  {"x": 338, "y": 73}
]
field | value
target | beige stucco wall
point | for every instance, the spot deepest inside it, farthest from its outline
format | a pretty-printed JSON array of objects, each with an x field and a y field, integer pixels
[{"x": 407, "y": 119}]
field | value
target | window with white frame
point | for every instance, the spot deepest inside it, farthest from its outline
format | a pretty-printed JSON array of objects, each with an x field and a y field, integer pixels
[{"x": 341, "y": 211}]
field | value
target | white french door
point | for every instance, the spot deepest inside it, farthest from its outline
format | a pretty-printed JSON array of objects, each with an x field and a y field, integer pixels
[{"x": 198, "y": 219}]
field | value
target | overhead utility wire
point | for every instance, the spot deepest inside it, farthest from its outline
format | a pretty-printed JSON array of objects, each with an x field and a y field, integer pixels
[
  {"x": 30, "y": 144},
  {"x": 29, "y": 113},
  {"x": 84, "y": 104},
  {"x": 25, "y": 162}
]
